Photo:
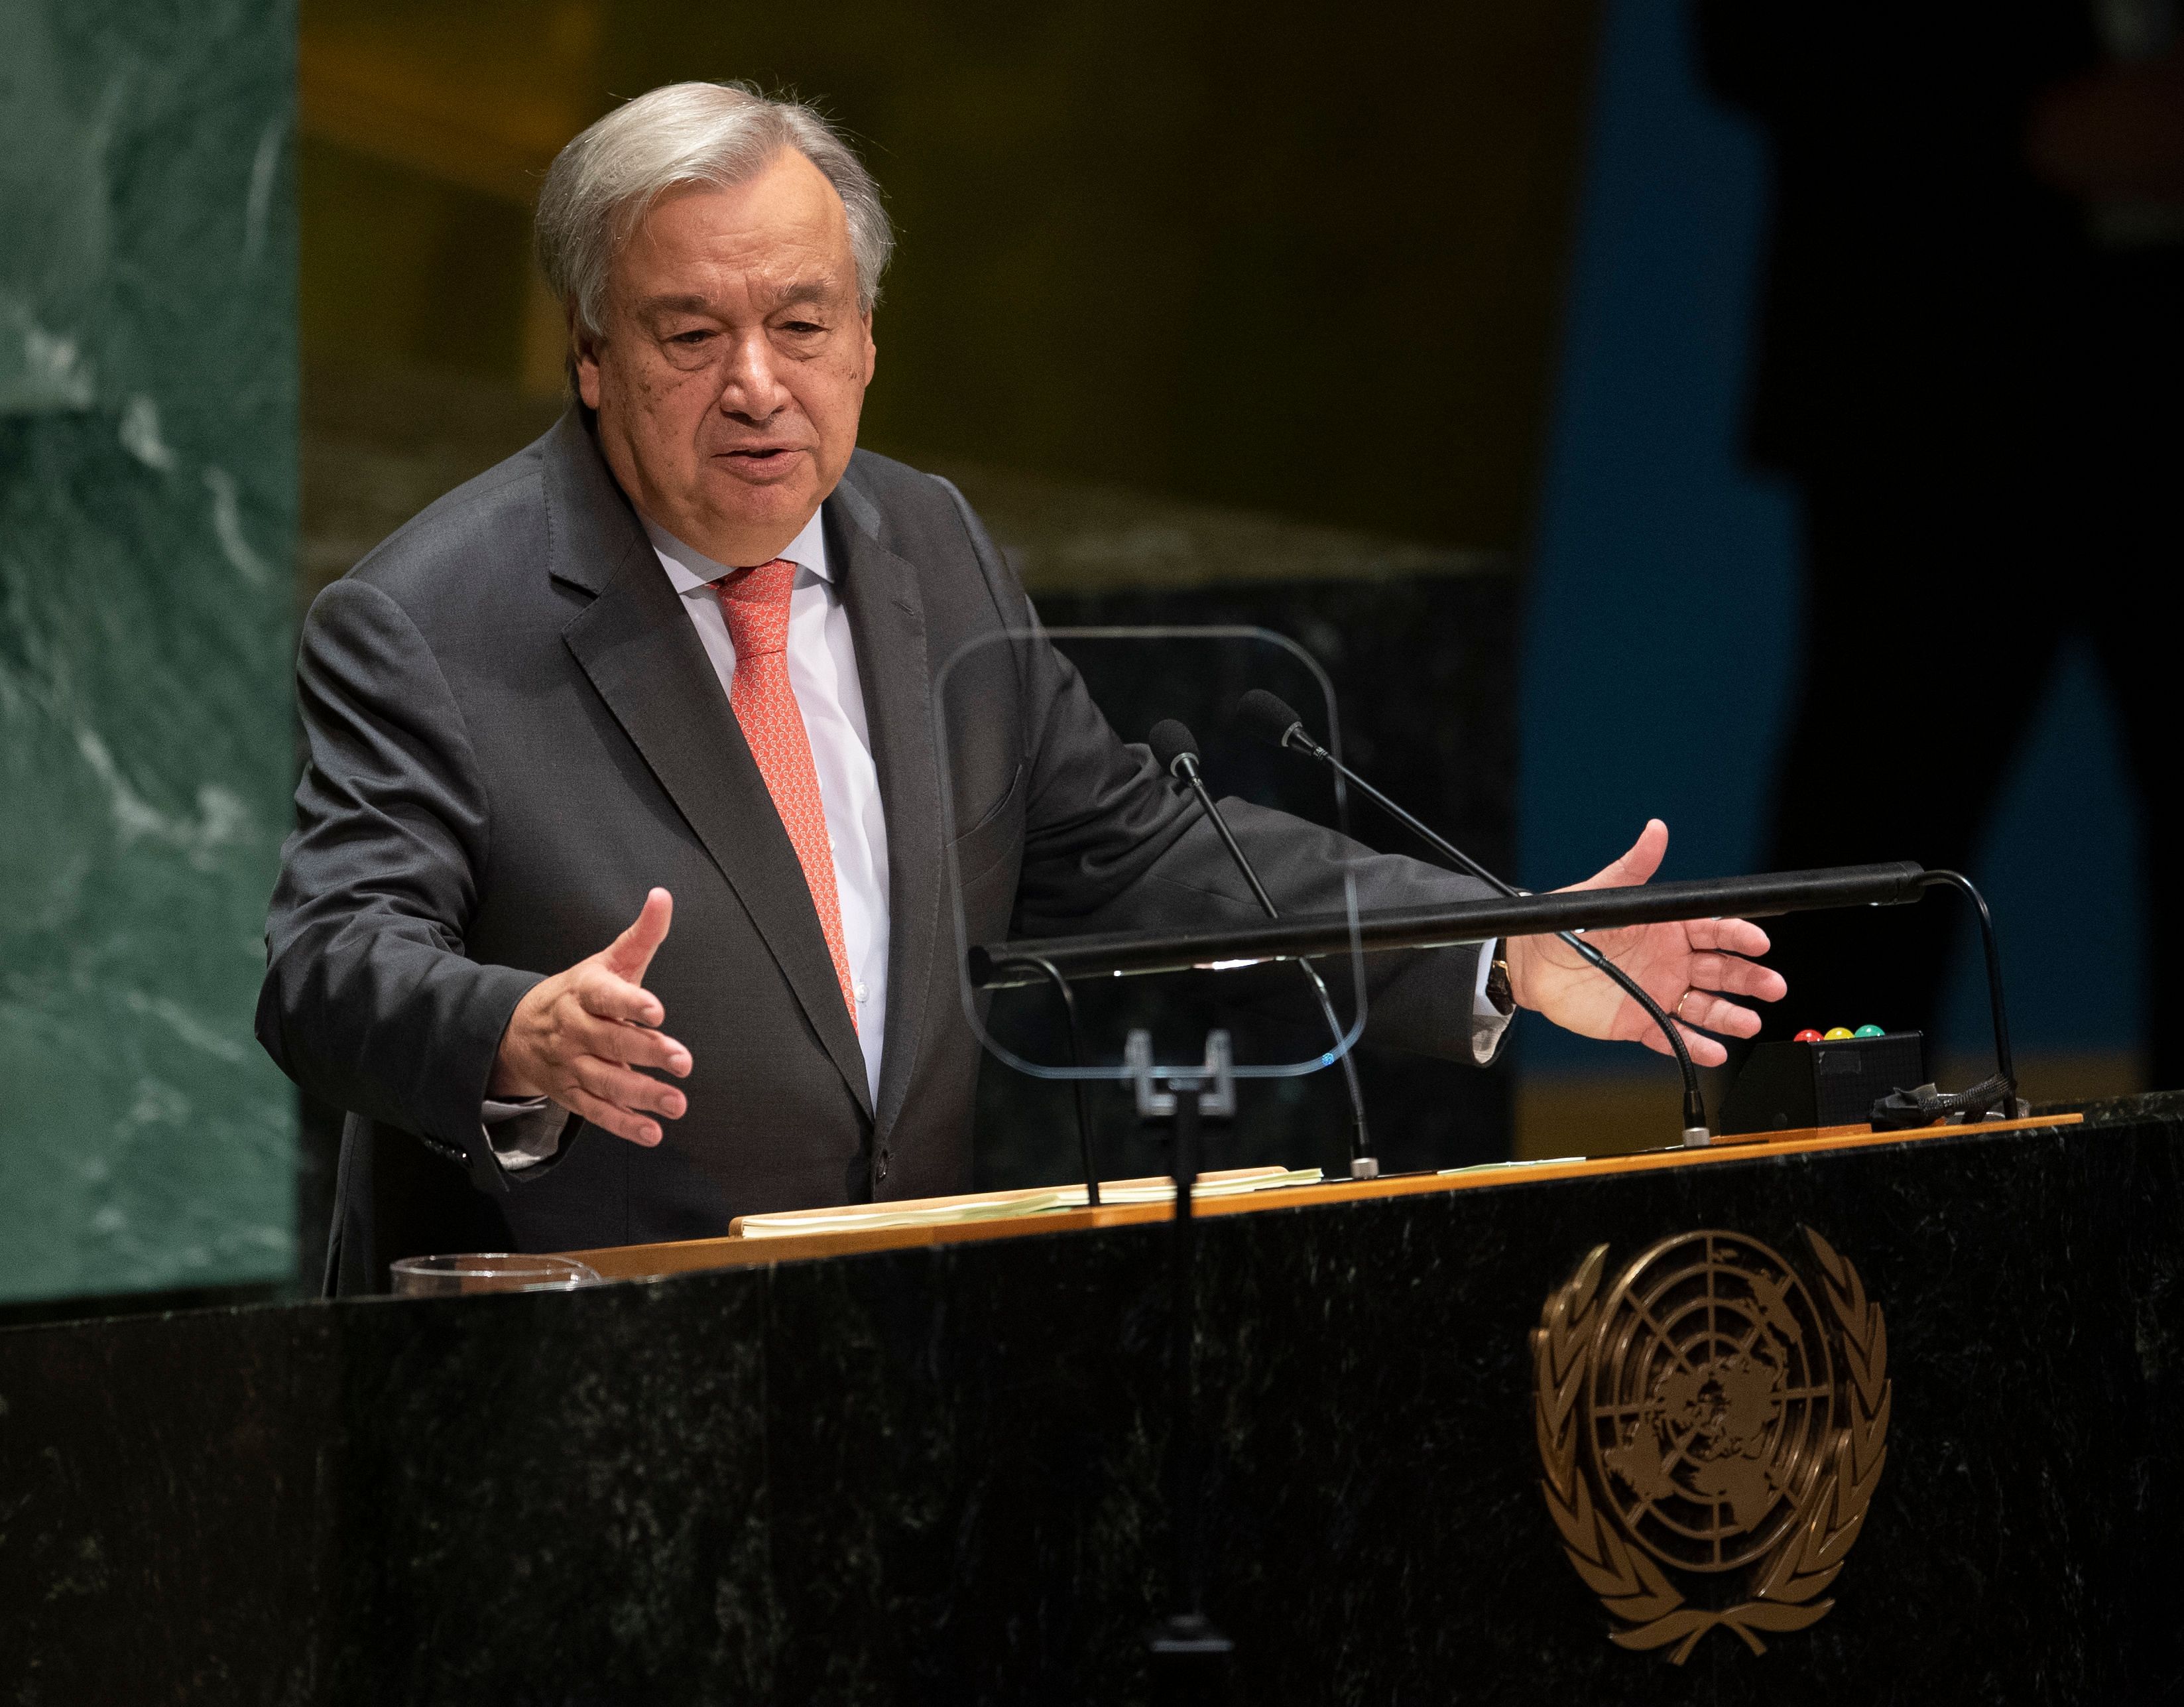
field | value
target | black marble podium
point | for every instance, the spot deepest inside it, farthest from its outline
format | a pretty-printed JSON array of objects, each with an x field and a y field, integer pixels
[{"x": 935, "y": 1474}]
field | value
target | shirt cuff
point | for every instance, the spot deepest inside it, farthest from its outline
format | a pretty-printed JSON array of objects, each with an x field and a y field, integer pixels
[
  {"x": 1489, "y": 1022},
  {"x": 523, "y": 1133}
]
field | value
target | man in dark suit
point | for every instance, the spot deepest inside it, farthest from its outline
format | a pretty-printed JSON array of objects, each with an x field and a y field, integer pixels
[{"x": 676, "y": 660}]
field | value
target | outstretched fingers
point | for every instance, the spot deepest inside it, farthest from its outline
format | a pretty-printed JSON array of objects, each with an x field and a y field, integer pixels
[
  {"x": 609, "y": 1116},
  {"x": 620, "y": 1021},
  {"x": 1728, "y": 936},
  {"x": 1734, "y": 976},
  {"x": 1718, "y": 1014},
  {"x": 635, "y": 1092},
  {"x": 601, "y": 1078},
  {"x": 1705, "y": 1051}
]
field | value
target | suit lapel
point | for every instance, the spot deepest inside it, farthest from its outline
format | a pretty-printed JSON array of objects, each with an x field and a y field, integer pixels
[
  {"x": 644, "y": 659},
  {"x": 887, "y": 624}
]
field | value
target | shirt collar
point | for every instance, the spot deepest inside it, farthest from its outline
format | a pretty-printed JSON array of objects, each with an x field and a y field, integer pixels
[{"x": 689, "y": 568}]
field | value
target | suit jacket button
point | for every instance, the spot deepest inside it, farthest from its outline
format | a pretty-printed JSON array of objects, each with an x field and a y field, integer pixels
[{"x": 880, "y": 1165}]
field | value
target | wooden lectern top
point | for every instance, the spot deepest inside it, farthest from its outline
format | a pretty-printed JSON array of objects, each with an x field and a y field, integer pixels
[{"x": 1012, "y": 1214}]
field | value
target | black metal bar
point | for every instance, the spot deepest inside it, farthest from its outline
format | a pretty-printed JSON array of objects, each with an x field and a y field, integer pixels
[
  {"x": 2005, "y": 1063},
  {"x": 1445, "y": 927},
  {"x": 1189, "y": 1655},
  {"x": 1047, "y": 969},
  {"x": 1189, "y": 1582}
]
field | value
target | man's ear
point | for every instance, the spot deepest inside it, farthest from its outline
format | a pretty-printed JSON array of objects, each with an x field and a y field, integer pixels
[
  {"x": 584, "y": 348},
  {"x": 871, "y": 349}
]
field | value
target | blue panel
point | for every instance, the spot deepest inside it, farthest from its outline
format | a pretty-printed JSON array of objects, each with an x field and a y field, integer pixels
[{"x": 1662, "y": 633}]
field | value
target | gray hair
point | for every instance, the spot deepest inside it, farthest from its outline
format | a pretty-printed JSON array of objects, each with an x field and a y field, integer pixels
[{"x": 715, "y": 134}]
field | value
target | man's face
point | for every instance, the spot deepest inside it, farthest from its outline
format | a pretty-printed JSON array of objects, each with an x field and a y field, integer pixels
[{"x": 734, "y": 362}]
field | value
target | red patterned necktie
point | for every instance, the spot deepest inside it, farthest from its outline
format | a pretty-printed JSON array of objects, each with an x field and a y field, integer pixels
[{"x": 755, "y": 602}]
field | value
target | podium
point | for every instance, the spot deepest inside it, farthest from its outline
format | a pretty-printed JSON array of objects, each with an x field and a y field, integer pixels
[{"x": 1463, "y": 1436}]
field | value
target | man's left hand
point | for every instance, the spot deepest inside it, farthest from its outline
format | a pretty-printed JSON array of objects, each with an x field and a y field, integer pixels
[{"x": 1691, "y": 968}]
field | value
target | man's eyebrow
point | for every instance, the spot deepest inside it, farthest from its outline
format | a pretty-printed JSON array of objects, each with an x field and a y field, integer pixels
[
  {"x": 819, "y": 288},
  {"x": 816, "y": 288},
  {"x": 676, "y": 304}
]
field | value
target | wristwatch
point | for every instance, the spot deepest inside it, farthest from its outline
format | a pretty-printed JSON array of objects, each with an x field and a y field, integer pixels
[{"x": 1497, "y": 985}]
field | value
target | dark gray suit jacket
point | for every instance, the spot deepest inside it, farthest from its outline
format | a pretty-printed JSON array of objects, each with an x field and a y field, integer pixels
[{"x": 515, "y": 732}]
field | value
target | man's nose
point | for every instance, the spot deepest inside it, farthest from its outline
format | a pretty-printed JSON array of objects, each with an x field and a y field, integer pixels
[{"x": 750, "y": 388}]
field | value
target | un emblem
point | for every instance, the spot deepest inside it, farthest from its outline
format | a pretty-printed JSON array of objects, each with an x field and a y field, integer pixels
[{"x": 1710, "y": 1418}]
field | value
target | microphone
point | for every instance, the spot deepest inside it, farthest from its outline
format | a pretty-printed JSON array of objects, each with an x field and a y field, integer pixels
[
  {"x": 1277, "y": 723},
  {"x": 1176, "y": 749}
]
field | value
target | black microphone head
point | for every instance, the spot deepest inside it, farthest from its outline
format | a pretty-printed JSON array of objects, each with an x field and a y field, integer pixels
[
  {"x": 1268, "y": 717},
  {"x": 1171, "y": 741}
]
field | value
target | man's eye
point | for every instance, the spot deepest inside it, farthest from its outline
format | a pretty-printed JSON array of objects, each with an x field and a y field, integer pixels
[
  {"x": 802, "y": 328},
  {"x": 690, "y": 338}
]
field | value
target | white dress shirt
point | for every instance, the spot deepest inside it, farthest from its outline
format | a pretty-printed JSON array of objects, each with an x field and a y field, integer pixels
[{"x": 822, "y": 670}]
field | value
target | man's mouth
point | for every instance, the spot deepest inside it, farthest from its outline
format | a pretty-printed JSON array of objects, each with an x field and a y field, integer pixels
[{"x": 761, "y": 464}]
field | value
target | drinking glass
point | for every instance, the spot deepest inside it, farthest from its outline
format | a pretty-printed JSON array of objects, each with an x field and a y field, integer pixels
[{"x": 488, "y": 1271}]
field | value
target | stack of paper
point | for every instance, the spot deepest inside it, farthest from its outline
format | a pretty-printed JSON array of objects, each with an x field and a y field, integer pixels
[
  {"x": 1158, "y": 1188},
  {"x": 989, "y": 1206}
]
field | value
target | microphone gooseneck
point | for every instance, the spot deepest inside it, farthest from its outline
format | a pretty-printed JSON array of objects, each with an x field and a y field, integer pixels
[
  {"x": 1276, "y": 723},
  {"x": 1176, "y": 749}
]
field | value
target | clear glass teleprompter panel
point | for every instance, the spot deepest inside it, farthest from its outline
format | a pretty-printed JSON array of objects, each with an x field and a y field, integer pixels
[{"x": 1086, "y": 818}]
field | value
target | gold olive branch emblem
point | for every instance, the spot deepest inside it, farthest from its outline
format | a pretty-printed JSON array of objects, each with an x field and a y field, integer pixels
[{"x": 1788, "y": 1581}]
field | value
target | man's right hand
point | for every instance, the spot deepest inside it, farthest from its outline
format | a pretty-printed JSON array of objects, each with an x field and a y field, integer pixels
[{"x": 579, "y": 1036}]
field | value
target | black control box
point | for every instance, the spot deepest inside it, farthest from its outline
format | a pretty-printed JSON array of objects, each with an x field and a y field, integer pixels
[{"x": 1785, "y": 1086}]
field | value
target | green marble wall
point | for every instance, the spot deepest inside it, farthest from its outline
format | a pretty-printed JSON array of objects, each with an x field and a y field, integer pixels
[{"x": 148, "y": 504}]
